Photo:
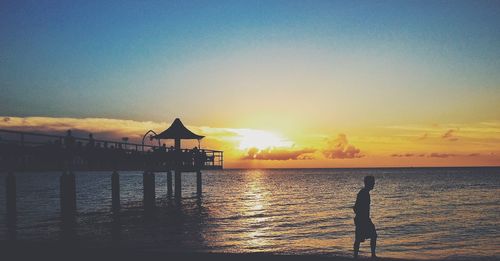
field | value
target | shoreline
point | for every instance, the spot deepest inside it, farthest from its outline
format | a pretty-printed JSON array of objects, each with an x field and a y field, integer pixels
[{"x": 58, "y": 250}]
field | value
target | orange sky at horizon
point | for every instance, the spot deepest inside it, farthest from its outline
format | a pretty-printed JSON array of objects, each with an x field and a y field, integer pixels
[{"x": 471, "y": 144}]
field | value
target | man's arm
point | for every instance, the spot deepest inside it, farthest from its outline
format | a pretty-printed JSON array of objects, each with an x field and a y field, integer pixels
[{"x": 356, "y": 205}]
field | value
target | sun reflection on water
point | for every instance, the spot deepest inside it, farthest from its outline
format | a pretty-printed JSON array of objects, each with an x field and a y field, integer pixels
[{"x": 255, "y": 208}]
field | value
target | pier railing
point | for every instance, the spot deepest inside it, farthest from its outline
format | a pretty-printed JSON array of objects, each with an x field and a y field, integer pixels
[{"x": 20, "y": 150}]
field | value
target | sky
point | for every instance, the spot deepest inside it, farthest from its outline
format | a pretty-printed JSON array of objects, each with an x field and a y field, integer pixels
[{"x": 272, "y": 83}]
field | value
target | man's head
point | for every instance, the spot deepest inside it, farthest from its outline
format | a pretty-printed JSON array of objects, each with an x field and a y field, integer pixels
[{"x": 369, "y": 182}]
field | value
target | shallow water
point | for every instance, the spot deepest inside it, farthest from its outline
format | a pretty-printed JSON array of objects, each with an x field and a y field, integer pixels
[{"x": 418, "y": 212}]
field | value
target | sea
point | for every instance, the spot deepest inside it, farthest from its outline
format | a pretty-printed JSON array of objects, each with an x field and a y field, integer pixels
[{"x": 424, "y": 213}]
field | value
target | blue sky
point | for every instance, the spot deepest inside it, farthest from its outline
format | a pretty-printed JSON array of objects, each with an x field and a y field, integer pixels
[{"x": 154, "y": 60}]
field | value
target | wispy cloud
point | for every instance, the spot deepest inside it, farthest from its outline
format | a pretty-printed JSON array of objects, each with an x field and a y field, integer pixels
[
  {"x": 100, "y": 127},
  {"x": 395, "y": 155},
  {"x": 450, "y": 135},
  {"x": 441, "y": 155},
  {"x": 424, "y": 136},
  {"x": 478, "y": 130},
  {"x": 433, "y": 155}
]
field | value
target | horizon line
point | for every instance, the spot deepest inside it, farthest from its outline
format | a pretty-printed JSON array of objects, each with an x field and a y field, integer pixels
[{"x": 389, "y": 167}]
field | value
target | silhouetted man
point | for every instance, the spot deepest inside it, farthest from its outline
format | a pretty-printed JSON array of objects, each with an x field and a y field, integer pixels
[
  {"x": 69, "y": 140},
  {"x": 91, "y": 143},
  {"x": 364, "y": 225}
]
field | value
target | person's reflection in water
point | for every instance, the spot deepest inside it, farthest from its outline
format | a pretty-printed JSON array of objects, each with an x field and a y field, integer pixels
[
  {"x": 116, "y": 227},
  {"x": 364, "y": 225},
  {"x": 11, "y": 226},
  {"x": 68, "y": 228}
]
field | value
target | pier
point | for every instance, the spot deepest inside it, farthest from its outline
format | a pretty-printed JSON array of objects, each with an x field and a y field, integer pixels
[{"x": 22, "y": 151}]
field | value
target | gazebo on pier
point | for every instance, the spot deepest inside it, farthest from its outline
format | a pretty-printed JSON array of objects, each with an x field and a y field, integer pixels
[
  {"x": 177, "y": 131},
  {"x": 183, "y": 160}
]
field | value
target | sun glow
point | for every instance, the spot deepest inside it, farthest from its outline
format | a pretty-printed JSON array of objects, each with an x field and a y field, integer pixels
[{"x": 261, "y": 139}]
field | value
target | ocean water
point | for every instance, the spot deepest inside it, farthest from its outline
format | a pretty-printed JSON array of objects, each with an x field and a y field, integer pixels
[{"x": 419, "y": 212}]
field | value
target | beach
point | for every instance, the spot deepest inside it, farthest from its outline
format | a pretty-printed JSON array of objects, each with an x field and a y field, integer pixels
[{"x": 61, "y": 251}]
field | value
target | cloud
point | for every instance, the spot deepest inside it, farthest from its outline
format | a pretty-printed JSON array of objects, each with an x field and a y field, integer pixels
[
  {"x": 449, "y": 135},
  {"x": 424, "y": 136},
  {"x": 403, "y": 155},
  {"x": 278, "y": 154},
  {"x": 102, "y": 128},
  {"x": 339, "y": 148},
  {"x": 441, "y": 155},
  {"x": 433, "y": 155}
]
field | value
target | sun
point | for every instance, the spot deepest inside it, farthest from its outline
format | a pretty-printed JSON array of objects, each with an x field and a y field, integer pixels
[{"x": 261, "y": 139}]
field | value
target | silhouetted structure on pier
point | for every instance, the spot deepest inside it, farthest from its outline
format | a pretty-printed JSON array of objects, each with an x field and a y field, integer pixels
[
  {"x": 28, "y": 151},
  {"x": 181, "y": 160}
]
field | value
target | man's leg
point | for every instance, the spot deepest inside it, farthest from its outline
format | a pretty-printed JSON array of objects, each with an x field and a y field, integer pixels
[
  {"x": 356, "y": 248},
  {"x": 373, "y": 245}
]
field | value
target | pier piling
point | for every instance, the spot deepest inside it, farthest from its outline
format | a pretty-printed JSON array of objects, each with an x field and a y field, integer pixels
[
  {"x": 169, "y": 183},
  {"x": 198, "y": 183},
  {"x": 149, "y": 190},
  {"x": 178, "y": 185},
  {"x": 10, "y": 182},
  {"x": 68, "y": 194},
  {"x": 115, "y": 191}
]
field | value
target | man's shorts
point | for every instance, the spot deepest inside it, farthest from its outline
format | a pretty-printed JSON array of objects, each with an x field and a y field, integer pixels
[{"x": 364, "y": 229}]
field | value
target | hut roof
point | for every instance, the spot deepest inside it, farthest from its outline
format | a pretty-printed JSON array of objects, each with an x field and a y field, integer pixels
[{"x": 178, "y": 131}]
